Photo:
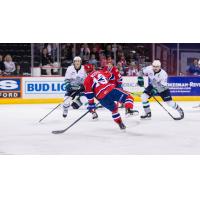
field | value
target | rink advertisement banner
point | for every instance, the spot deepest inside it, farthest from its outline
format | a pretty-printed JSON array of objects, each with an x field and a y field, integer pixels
[
  {"x": 46, "y": 87},
  {"x": 184, "y": 86},
  {"x": 51, "y": 89},
  {"x": 10, "y": 88}
]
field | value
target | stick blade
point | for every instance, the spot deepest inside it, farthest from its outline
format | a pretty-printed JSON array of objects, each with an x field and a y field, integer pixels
[
  {"x": 58, "y": 132},
  {"x": 178, "y": 118},
  {"x": 198, "y": 106}
]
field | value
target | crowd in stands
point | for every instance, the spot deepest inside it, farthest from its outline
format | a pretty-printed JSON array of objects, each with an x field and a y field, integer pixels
[
  {"x": 129, "y": 58},
  {"x": 124, "y": 57}
]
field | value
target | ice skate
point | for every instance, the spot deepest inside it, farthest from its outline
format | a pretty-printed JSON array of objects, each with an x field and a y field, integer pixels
[
  {"x": 180, "y": 110},
  {"x": 65, "y": 110},
  {"x": 122, "y": 126},
  {"x": 130, "y": 111},
  {"x": 94, "y": 115},
  {"x": 146, "y": 116}
]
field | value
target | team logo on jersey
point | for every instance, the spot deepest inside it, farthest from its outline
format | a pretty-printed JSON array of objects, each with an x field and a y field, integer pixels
[{"x": 10, "y": 88}]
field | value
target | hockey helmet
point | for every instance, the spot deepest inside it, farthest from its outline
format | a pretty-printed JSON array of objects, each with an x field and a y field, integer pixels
[
  {"x": 77, "y": 58},
  {"x": 156, "y": 63},
  {"x": 88, "y": 68}
]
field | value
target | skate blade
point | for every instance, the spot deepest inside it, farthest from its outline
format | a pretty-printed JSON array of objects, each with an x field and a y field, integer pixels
[
  {"x": 145, "y": 119},
  {"x": 95, "y": 119},
  {"x": 132, "y": 115}
]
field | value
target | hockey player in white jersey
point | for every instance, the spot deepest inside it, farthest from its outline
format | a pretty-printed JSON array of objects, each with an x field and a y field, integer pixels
[
  {"x": 74, "y": 78},
  {"x": 157, "y": 86}
]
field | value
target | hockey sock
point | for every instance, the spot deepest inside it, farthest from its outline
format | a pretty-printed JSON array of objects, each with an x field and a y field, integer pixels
[
  {"x": 117, "y": 117},
  {"x": 146, "y": 107},
  {"x": 66, "y": 106},
  {"x": 145, "y": 103},
  {"x": 129, "y": 102}
]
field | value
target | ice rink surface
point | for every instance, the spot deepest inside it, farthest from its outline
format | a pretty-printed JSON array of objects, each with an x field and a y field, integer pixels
[{"x": 20, "y": 132}]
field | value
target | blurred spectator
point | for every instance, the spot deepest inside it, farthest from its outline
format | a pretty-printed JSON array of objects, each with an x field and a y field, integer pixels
[
  {"x": 108, "y": 51},
  {"x": 93, "y": 61},
  {"x": 132, "y": 56},
  {"x": 123, "y": 60},
  {"x": 109, "y": 59},
  {"x": 119, "y": 52},
  {"x": 9, "y": 65},
  {"x": 121, "y": 69},
  {"x": 46, "y": 60},
  {"x": 85, "y": 53},
  {"x": 198, "y": 68},
  {"x": 193, "y": 68},
  {"x": 66, "y": 55},
  {"x": 95, "y": 52},
  {"x": 49, "y": 48},
  {"x": 102, "y": 60},
  {"x": 133, "y": 69},
  {"x": 2, "y": 65},
  {"x": 18, "y": 70}
]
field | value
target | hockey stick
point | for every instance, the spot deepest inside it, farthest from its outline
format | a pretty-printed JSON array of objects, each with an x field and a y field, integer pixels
[
  {"x": 55, "y": 108},
  {"x": 175, "y": 118},
  {"x": 197, "y": 106},
  {"x": 135, "y": 94},
  {"x": 64, "y": 130}
]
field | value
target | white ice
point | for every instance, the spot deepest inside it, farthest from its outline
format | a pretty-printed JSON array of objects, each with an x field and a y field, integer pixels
[{"x": 20, "y": 132}]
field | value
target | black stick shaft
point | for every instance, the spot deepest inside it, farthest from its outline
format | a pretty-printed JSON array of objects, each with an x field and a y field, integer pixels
[
  {"x": 55, "y": 108},
  {"x": 50, "y": 112},
  {"x": 163, "y": 107},
  {"x": 77, "y": 120},
  {"x": 64, "y": 130}
]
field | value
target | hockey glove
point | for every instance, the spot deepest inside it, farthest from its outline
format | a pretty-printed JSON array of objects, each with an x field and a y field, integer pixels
[
  {"x": 154, "y": 92},
  {"x": 82, "y": 88},
  {"x": 140, "y": 81},
  {"x": 67, "y": 86},
  {"x": 119, "y": 86},
  {"x": 91, "y": 107},
  {"x": 79, "y": 88}
]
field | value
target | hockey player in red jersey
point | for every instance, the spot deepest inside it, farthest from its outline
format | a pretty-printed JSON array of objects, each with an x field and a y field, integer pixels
[
  {"x": 97, "y": 85},
  {"x": 116, "y": 78}
]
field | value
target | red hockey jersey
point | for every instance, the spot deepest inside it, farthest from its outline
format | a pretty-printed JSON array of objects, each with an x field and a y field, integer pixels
[
  {"x": 116, "y": 78},
  {"x": 97, "y": 85}
]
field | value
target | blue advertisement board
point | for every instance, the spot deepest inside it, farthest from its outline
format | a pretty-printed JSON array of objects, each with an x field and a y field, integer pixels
[
  {"x": 10, "y": 87},
  {"x": 184, "y": 85}
]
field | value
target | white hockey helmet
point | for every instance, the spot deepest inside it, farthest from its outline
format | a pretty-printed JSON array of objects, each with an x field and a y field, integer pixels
[
  {"x": 199, "y": 62},
  {"x": 156, "y": 63},
  {"x": 77, "y": 58}
]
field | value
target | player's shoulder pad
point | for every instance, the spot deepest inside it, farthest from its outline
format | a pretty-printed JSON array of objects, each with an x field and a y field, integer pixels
[
  {"x": 164, "y": 72},
  {"x": 71, "y": 67}
]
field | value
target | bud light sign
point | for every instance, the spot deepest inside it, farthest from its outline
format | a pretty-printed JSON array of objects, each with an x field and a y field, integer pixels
[
  {"x": 10, "y": 88},
  {"x": 44, "y": 87}
]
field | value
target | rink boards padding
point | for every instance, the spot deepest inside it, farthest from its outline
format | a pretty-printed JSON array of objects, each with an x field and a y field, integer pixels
[
  {"x": 36, "y": 90},
  {"x": 60, "y": 100}
]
